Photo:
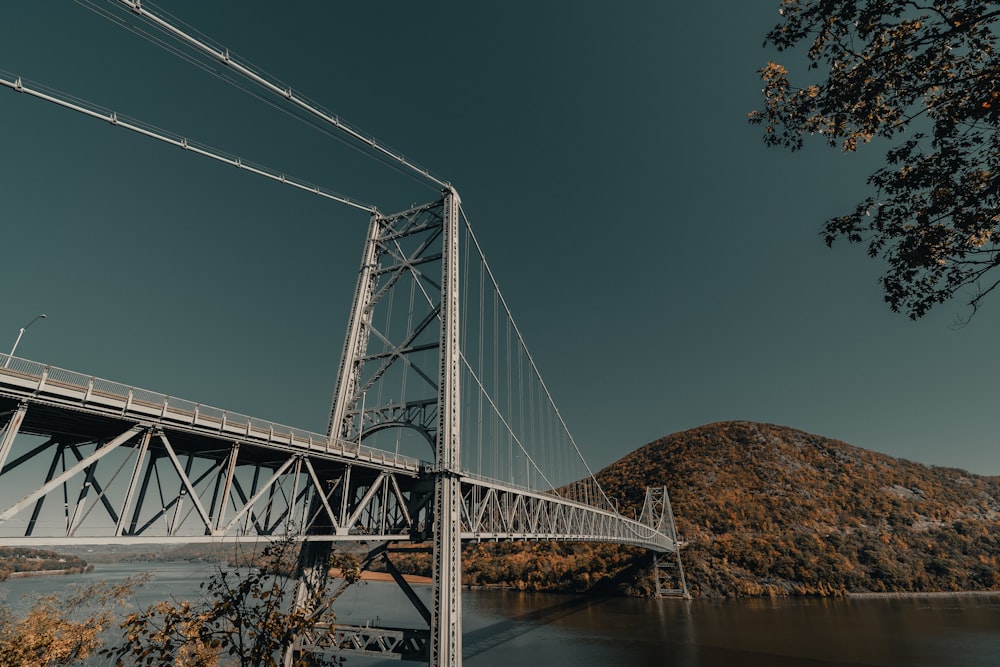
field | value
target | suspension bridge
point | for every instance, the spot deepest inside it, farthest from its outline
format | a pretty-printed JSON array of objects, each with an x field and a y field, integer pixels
[{"x": 441, "y": 430}]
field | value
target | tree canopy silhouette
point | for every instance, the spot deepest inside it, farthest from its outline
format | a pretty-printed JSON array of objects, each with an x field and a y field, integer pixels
[{"x": 923, "y": 75}]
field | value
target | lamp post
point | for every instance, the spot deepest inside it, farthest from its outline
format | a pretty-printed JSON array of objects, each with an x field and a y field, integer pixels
[{"x": 19, "y": 334}]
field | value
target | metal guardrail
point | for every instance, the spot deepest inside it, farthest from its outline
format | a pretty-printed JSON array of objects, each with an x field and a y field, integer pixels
[{"x": 88, "y": 391}]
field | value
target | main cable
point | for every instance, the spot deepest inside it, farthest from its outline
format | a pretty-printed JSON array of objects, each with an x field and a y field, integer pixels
[
  {"x": 256, "y": 76},
  {"x": 294, "y": 113},
  {"x": 18, "y": 84}
]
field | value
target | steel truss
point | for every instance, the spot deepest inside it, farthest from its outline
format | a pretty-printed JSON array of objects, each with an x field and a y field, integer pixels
[
  {"x": 142, "y": 485},
  {"x": 391, "y": 351},
  {"x": 496, "y": 512},
  {"x": 86, "y": 469},
  {"x": 75, "y": 474},
  {"x": 375, "y": 640}
]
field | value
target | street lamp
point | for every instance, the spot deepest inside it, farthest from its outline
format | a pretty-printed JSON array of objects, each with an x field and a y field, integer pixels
[{"x": 21, "y": 333}]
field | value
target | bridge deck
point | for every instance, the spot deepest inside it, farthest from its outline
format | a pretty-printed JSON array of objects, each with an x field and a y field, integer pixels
[
  {"x": 184, "y": 472},
  {"x": 90, "y": 397}
]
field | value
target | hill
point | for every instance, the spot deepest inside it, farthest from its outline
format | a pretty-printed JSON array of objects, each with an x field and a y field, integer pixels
[{"x": 770, "y": 510}]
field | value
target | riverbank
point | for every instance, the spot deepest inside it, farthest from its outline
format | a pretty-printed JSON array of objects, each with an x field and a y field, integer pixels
[
  {"x": 367, "y": 575},
  {"x": 921, "y": 594},
  {"x": 46, "y": 573}
]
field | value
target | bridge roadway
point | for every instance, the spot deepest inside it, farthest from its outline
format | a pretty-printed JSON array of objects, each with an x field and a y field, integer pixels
[{"x": 119, "y": 464}]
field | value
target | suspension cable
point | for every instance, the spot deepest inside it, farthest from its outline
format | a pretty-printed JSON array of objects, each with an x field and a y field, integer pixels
[
  {"x": 17, "y": 83},
  {"x": 256, "y": 76},
  {"x": 531, "y": 360},
  {"x": 237, "y": 82},
  {"x": 498, "y": 415}
]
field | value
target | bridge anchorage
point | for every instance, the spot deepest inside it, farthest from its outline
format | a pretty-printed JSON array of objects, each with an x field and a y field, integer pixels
[{"x": 441, "y": 430}]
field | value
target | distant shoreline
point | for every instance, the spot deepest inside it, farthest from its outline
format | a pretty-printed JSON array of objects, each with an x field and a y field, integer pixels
[
  {"x": 46, "y": 573},
  {"x": 921, "y": 594}
]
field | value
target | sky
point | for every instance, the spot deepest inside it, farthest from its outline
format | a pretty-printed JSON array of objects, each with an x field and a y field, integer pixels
[{"x": 664, "y": 266}]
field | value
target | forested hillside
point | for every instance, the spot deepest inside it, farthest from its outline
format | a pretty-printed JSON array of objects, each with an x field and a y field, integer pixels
[{"x": 772, "y": 510}]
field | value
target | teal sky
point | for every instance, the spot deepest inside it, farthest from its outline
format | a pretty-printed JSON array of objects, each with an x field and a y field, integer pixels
[{"x": 665, "y": 267}]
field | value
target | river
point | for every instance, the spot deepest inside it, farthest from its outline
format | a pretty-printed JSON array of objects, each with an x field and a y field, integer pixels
[{"x": 503, "y": 628}]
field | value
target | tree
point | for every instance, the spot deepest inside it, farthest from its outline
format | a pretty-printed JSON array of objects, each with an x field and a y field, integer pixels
[
  {"x": 926, "y": 76},
  {"x": 251, "y": 614},
  {"x": 62, "y": 629}
]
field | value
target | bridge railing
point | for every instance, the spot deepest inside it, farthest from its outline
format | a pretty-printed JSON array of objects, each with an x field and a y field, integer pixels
[{"x": 45, "y": 380}]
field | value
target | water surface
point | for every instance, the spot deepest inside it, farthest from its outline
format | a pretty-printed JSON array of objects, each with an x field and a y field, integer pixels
[{"x": 502, "y": 629}]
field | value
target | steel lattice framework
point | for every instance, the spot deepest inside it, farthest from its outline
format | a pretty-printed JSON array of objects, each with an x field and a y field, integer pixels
[
  {"x": 382, "y": 351},
  {"x": 87, "y": 460}
]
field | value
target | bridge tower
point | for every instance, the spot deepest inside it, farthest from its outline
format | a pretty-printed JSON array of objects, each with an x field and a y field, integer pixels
[
  {"x": 667, "y": 567},
  {"x": 400, "y": 371}
]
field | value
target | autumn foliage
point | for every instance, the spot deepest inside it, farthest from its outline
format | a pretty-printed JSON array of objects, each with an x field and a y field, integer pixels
[
  {"x": 921, "y": 80},
  {"x": 250, "y": 613},
  {"x": 770, "y": 510},
  {"x": 62, "y": 629},
  {"x": 767, "y": 510}
]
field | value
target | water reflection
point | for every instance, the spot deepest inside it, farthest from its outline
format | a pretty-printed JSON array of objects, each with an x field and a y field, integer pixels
[
  {"x": 533, "y": 616},
  {"x": 749, "y": 633}
]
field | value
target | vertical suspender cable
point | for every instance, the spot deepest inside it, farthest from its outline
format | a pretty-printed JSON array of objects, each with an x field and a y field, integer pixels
[{"x": 556, "y": 414}]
